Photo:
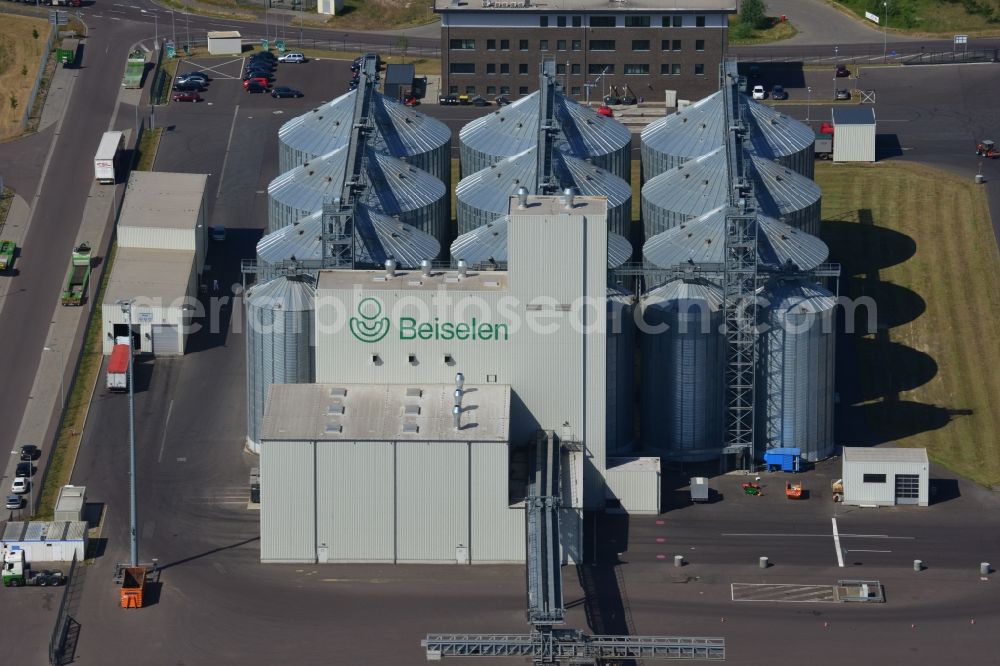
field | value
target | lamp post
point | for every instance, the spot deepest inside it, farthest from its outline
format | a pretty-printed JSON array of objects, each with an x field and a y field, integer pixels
[
  {"x": 173, "y": 29},
  {"x": 836, "y": 51},
  {"x": 885, "y": 15},
  {"x": 809, "y": 94},
  {"x": 62, "y": 368},
  {"x": 126, "y": 306},
  {"x": 156, "y": 32}
]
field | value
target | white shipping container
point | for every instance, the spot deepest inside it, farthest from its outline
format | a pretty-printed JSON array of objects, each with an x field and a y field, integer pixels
[{"x": 107, "y": 157}]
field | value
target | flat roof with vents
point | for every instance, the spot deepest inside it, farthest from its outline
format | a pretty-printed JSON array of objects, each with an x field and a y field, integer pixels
[
  {"x": 378, "y": 412},
  {"x": 414, "y": 280}
]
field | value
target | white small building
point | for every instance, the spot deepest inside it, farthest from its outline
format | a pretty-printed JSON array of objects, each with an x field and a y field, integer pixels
[
  {"x": 331, "y": 7},
  {"x": 854, "y": 134},
  {"x": 225, "y": 42},
  {"x": 70, "y": 504},
  {"x": 885, "y": 476},
  {"x": 634, "y": 484},
  {"x": 47, "y": 542}
]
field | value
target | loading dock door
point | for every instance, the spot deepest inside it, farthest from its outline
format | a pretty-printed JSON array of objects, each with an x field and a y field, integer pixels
[
  {"x": 164, "y": 340},
  {"x": 907, "y": 488}
]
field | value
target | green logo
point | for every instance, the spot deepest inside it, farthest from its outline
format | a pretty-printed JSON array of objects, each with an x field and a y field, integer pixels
[{"x": 367, "y": 327}]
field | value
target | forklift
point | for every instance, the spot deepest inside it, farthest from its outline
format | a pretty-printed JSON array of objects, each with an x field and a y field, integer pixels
[{"x": 988, "y": 149}]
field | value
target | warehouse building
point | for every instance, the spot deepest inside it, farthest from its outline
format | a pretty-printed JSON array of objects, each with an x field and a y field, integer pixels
[
  {"x": 854, "y": 134},
  {"x": 534, "y": 338},
  {"x": 492, "y": 47},
  {"x": 885, "y": 476},
  {"x": 44, "y": 541},
  {"x": 161, "y": 237},
  {"x": 225, "y": 42}
]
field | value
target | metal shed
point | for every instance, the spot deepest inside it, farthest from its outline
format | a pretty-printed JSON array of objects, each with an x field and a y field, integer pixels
[
  {"x": 398, "y": 80},
  {"x": 885, "y": 476},
  {"x": 69, "y": 505},
  {"x": 634, "y": 484},
  {"x": 225, "y": 42},
  {"x": 47, "y": 542},
  {"x": 854, "y": 134}
]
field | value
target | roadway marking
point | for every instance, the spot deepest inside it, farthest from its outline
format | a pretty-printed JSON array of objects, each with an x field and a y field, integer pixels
[
  {"x": 783, "y": 593},
  {"x": 222, "y": 174},
  {"x": 824, "y": 536},
  {"x": 858, "y": 550},
  {"x": 836, "y": 543},
  {"x": 163, "y": 439}
]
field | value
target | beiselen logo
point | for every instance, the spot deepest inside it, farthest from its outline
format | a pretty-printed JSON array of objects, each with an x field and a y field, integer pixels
[{"x": 367, "y": 326}]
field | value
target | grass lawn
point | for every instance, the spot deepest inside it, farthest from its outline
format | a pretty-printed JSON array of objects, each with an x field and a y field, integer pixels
[
  {"x": 147, "y": 149},
  {"x": 919, "y": 242},
  {"x": 931, "y": 16},
  {"x": 21, "y": 54},
  {"x": 779, "y": 30}
]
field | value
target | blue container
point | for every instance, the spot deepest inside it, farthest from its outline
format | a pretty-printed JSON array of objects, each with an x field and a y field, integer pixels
[{"x": 785, "y": 459}]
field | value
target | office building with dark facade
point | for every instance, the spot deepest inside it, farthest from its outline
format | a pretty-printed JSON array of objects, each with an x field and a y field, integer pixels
[{"x": 493, "y": 47}]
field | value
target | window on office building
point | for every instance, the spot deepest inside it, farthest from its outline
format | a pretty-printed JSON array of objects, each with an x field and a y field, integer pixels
[
  {"x": 576, "y": 45},
  {"x": 602, "y": 21},
  {"x": 505, "y": 45},
  {"x": 504, "y": 90},
  {"x": 574, "y": 68},
  {"x": 597, "y": 68},
  {"x": 636, "y": 68},
  {"x": 543, "y": 21},
  {"x": 675, "y": 45},
  {"x": 575, "y": 91},
  {"x": 673, "y": 21},
  {"x": 699, "y": 21},
  {"x": 462, "y": 44},
  {"x": 543, "y": 45},
  {"x": 452, "y": 90},
  {"x": 522, "y": 90},
  {"x": 699, "y": 45},
  {"x": 560, "y": 69},
  {"x": 636, "y": 21},
  {"x": 699, "y": 70},
  {"x": 505, "y": 68},
  {"x": 640, "y": 44},
  {"x": 665, "y": 68},
  {"x": 675, "y": 69},
  {"x": 577, "y": 21},
  {"x": 491, "y": 90},
  {"x": 522, "y": 68},
  {"x": 462, "y": 68},
  {"x": 491, "y": 68},
  {"x": 561, "y": 21},
  {"x": 470, "y": 90},
  {"x": 602, "y": 45},
  {"x": 491, "y": 45},
  {"x": 522, "y": 44},
  {"x": 561, "y": 44}
]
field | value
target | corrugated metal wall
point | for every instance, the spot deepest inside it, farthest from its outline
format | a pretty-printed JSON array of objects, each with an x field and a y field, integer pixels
[
  {"x": 854, "y": 143},
  {"x": 857, "y": 491},
  {"x": 638, "y": 490},
  {"x": 432, "y": 500},
  {"x": 355, "y": 498},
  {"x": 497, "y": 530},
  {"x": 287, "y": 502}
]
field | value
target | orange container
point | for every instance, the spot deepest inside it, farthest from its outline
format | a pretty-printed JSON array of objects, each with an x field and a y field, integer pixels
[{"x": 133, "y": 584}]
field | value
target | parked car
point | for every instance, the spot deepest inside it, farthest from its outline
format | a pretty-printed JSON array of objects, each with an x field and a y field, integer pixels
[
  {"x": 186, "y": 97},
  {"x": 778, "y": 92},
  {"x": 742, "y": 83},
  {"x": 189, "y": 86},
  {"x": 479, "y": 101},
  {"x": 410, "y": 100},
  {"x": 754, "y": 71},
  {"x": 194, "y": 76},
  {"x": 14, "y": 501},
  {"x": 843, "y": 93},
  {"x": 759, "y": 92},
  {"x": 450, "y": 100},
  {"x": 252, "y": 72},
  {"x": 353, "y": 85},
  {"x": 219, "y": 232},
  {"x": 25, "y": 469},
  {"x": 30, "y": 452},
  {"x": 285, "y": 92},
  {"x": 501, "y": 100},
  {"x": 20, "y": 485},
  {"x": 261, "y": 80},
  {"x": 266, "y": 55},
  {"x": 292, "y": 57},
  {"x": 605, "y": 110},
  {"x": 842, "y": 70},
  {"x": 255, "y": 87}
]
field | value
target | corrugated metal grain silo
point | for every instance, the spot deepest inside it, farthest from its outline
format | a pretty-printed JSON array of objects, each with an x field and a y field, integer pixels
[
  {"x": 796, "y": 390},
  {"x": 396, "y": 189},
  {"x": 683, "y": 370},
  {"x": 280, "y": 346},
  {"x": 701, "y": 185},
  {"x": 489, "y": 242},
  {"x": 400, "y": 132},
  {"x": 703, "y": 241},
  {"x": 700, "y": 128},
  {"x": 377, "y": 238},
  {"x": 512, "y": 129},
  {"x": 485, "y": 195},
  {"x": 620, "y": 371}
]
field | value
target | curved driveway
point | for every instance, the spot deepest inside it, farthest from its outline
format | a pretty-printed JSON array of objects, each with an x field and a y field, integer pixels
[{"x": 819, "y": 22}]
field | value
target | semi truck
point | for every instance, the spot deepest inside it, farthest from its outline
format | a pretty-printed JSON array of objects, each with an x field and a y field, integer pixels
[
  {"x": 106, "y": 159},
  {"x": 18, "y": 573},
  {"x": 117, "y": 379},
  {"x": 7, "y": 249},
  {"x": 66, "y": 53},
  {"x": 77, "y": 276},
  {"x": 134, "y": 69}
]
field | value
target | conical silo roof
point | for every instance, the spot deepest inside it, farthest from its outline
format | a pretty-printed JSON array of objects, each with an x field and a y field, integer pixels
[
  {"x": 514, "y": 128},
  {"x": 701, "y": 185},
  {"x": 485, "y": 195},
  {"x": 400, "y": 131},
  {"x": 377, "y": 238},
  {"x": 703, "y": 240},
  {"x": 395, "y": 189},
  {"x": 700, "y": 129},
  {"x": 489, "y": 241},
  {"x": 799, "y": 297}
]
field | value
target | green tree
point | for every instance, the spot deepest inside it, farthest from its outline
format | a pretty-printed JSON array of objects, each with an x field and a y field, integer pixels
[
  {"x": 401, "y": 45},
  {"x": 753, "y": 14},
  {"x": 13, "y": 102},
  {"x": 34, "y": 33},
  {"x": 24, "y": 70}
]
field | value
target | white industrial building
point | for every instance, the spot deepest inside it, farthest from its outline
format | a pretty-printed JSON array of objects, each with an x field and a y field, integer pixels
[
  {"x": 46, "y": 541},
  {"x": 225, "y": 42},
  {"x": 537, "y": 333},
  {"x": 854, "y": 134},
  {"x": 885, "y": 476},
  {"x": 70, "y": 503},
  {"x": 161, "y": 239}
]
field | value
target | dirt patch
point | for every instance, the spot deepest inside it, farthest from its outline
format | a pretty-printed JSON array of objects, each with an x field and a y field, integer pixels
[{"x": 22, "y": 44}]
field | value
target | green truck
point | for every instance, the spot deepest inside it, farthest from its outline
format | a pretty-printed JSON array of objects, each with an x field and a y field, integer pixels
[
  {"x": 66, "y": 53},
  {"x": 134, "y": 69},
  {"x": 7, "y": 249},
  {"x": 77, "y": 277}
]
